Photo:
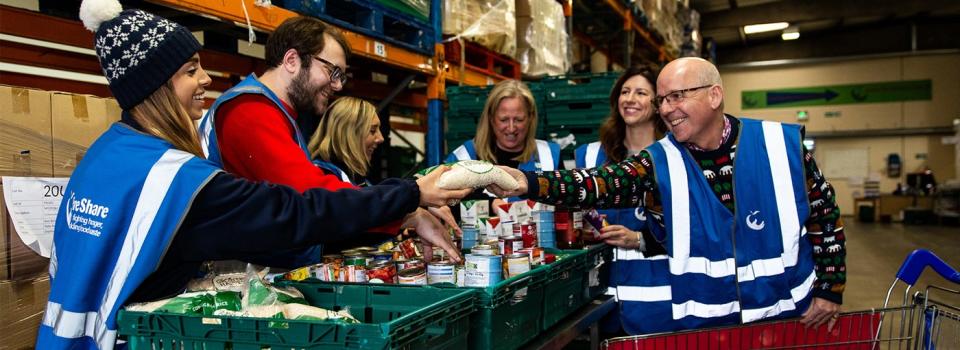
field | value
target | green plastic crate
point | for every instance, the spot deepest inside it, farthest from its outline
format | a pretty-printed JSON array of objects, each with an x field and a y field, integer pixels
[
  {"x": 580, "y": 112},
  {"x": 563, "y": 288},
  {"x": 598, "y": 258},
  {"x": 503, "y": 320},
  {"x": 392, "y": 317},
  {"x": 579, "y": 86}
]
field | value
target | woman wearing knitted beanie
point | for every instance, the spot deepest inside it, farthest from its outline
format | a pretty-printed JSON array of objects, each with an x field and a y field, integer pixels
[{"x": 144, "y": 209}]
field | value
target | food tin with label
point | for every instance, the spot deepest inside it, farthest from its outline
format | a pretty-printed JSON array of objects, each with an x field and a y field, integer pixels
[
  {"x": 482, "y": 270},
  {"x": 484, "y": 249},
  {"x": 382, "y": 272},
  {"x": 510, "y": 244},
  {"x": 382, "y": 256},
  {"x": 416, "y": 276},
  {"x": 535, "y": 254},
  {"x": 441, "y": 272},
  {"x": 515, "y": 264},
  {"x": 403, "y": 264}
]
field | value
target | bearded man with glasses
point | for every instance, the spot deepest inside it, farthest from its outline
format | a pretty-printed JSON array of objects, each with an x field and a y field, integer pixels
[
  {"x": 765, "y": 244},
  {"x": 253, "y": 129}
]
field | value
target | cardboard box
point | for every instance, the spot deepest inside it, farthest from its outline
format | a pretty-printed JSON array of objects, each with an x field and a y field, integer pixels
[
  {"x": 17, "y": 261},
  {"x": 78, "y": 120},
  {"x": 25, "y": 129},
  {"x": 23, "y": 304}
]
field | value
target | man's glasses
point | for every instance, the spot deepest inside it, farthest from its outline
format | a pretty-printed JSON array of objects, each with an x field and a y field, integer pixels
[
  {"x": 674, "y": 97},
  {"x": 336, "y": 73}
]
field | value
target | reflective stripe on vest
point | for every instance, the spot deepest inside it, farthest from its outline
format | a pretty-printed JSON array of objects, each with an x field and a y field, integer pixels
[
  {"x": 593, "y": 151},
  {"x": 545, "y": 157}
]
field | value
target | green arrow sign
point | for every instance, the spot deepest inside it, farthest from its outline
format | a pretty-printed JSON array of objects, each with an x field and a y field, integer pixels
[{"x": 893, "y": 91}]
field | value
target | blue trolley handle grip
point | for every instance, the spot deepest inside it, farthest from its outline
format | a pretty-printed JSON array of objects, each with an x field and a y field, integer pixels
[{"x": 921, "y": 258}]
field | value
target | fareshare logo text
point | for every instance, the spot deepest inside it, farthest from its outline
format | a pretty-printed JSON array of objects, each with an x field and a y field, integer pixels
[{"x": 83, "y": 215}]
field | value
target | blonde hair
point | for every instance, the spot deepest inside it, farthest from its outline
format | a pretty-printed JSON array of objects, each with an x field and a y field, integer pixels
[
  {"x": 341, "y": 133},
  {"x": 484, "y": 141},
  {"x": 162, "y": 115}
]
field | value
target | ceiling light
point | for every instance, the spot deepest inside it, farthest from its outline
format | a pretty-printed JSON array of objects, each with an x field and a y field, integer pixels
[
  {"x": 766, "y": 27},
  {"x": 791, "y": 33}
]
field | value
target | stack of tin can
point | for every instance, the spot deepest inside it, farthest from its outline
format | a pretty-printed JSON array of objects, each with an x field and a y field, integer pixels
[{"x": 546, "y": 231}]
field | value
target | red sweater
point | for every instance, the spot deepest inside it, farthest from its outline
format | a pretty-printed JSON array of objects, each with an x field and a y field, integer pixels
[{"x": 258, "y": 143}]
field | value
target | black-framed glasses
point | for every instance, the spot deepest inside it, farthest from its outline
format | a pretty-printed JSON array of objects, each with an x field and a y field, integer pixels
[
  {"x": 336, "y": 73},
  {"x": 675, "y": 96}
]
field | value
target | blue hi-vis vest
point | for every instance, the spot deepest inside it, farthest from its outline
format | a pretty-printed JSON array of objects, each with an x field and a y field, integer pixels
[
  {"x": 632, "y": 271},
  {"x": 749, "y": 265},
  {"x": 121, "y": 208},
  {"x": 336, "y": 171},
  {"x": 249, "y": 85}
]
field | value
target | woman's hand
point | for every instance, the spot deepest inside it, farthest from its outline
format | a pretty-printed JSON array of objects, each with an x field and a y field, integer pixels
[
  {"x": 620, "y": 236},
  {"x": 446, "y": 216},
  {"x": 432, "y": 234},
  {"x": 432, "y": 195},
  {"x": 521, "y": 179}
]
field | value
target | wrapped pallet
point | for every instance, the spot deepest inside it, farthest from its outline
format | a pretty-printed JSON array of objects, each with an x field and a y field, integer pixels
[
  {"x": 542, "y": 38},
  {"x": 490, "y": 23}
]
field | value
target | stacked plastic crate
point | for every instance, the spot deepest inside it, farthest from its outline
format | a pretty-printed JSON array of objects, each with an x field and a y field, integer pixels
[{"x": 576, "y": 104}]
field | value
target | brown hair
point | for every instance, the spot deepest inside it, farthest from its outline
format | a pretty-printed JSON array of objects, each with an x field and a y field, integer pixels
[
  {"x": 614, "y": 130},
  {"x": 162, "y": 115},
  {"x": 304, "y": 34},
  {"x": 485, "y": 141},
  {"x": 341, "y": 132}
]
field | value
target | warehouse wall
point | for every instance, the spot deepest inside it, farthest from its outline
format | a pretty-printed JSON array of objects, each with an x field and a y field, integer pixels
[{"x": 915, "y": 152}]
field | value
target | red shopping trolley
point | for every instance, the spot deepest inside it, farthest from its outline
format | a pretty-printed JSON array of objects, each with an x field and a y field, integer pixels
[{"x": 919, "y": 323}]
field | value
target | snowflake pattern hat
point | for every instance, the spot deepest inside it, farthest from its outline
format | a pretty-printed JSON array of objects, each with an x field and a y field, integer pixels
[{"x": 138, "y": 51}]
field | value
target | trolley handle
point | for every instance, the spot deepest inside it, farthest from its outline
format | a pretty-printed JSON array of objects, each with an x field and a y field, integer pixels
[{"x": 921, "y": 258}]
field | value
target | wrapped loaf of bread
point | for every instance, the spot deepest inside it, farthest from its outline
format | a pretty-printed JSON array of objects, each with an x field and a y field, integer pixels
[{"x": 476, "y": 174}]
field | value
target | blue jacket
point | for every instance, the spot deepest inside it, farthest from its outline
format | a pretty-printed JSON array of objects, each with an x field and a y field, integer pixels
[
  {"x": 122, "y": 207},
  {"x": 748, "y": 265},
  {"x": 632, "y": 271},
  {"x": 249, "y": 85}
]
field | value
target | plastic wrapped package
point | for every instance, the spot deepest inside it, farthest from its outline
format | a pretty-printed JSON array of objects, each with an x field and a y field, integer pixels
[
  {"x": 662, "y": 19},
  {"x": 419, "y": 9},
  {"x": 490, "y": 23},
  {"x": 542, "y": 48}
]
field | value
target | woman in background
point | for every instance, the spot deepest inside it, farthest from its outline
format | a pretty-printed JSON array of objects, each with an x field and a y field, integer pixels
[{"x": 633, "y": 124}]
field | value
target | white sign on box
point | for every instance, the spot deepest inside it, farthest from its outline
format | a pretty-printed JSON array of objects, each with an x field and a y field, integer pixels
[{"x": 33, "y": 203}]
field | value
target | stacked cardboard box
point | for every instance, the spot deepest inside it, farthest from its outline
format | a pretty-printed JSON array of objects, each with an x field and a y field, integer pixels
[
  {"x": 490, "y": 23},
  {"x": 42, "y": 134}
]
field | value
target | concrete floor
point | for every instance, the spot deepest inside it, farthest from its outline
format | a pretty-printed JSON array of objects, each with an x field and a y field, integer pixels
[{"x": 875, "y": 252}]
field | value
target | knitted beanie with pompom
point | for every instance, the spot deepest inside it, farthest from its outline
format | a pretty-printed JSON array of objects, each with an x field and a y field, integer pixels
[{"x": 139, "y": 52}]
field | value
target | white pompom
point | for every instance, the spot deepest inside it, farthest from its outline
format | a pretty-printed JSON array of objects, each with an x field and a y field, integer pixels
[{"x": 94, "y": 12}]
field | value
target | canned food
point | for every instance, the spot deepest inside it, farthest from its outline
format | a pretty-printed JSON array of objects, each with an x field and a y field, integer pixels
[
  {"x": 482, "y": 270},
  {"x": 382, "y": 272},
  {"x": 441, "y": 272},
  {"x": 536, "y": 255},
  {"x": 351, "y": 251},
  {"x": 367, "y": 250},
  {"x": 409, "y": 249},
  {"x": 416, "y": 275},
  {"x": 403, "y": 264},
  {"x": 354, "y": 259},
  {"x": 528, "y": 233},
  {"x": 510, "y": 244},
  {"x": 332, "y": 258},
  {"x": 382, "y": 256},
  {"x": 516, "y": 264},
  {"x": 356, "y": 273},
  {"x": 484, "y": 249},
  {"x": 298, "y": 274}
]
